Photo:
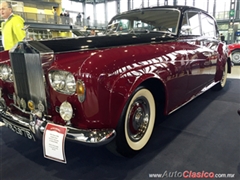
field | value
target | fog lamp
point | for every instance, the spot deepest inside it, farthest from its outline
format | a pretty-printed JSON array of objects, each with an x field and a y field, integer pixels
[
  {"x": 5, "y": 72},
  {"x": 66, "y": 111}
]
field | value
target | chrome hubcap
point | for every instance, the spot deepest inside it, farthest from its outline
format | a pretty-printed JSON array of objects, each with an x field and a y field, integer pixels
[{"x": 138, "y": 119}]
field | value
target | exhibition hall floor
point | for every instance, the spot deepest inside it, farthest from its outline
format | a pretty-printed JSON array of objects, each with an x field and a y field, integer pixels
[{"x": 201, "y": 137}]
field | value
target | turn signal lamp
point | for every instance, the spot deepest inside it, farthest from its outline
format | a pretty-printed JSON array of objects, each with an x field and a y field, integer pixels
[{"x": 81, "y": 91}]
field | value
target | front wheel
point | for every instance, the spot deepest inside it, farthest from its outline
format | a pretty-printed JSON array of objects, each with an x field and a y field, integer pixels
[{"x": 137, "y": 123}]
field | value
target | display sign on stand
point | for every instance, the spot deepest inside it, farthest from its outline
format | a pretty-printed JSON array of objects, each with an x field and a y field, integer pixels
[{"x": 54, "y": 142}]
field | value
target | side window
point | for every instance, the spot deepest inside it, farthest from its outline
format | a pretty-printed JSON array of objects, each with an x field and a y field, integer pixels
[
  {"x": 191, "y": 24},
  {"x": 141, "y": 25},
  {"x": 208, "y": 26},
  {"x": 124, "y": 24}
]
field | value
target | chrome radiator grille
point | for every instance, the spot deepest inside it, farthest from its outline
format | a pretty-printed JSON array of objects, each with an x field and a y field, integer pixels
[{"x": 28, "y": 77}]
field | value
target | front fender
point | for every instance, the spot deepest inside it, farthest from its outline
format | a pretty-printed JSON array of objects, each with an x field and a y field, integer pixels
[
  {"x": 122, "y": 89},
  {"x": 6, "y": 87}
]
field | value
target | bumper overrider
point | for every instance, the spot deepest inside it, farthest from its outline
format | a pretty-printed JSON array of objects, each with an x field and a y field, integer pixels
[{"x": 34, "y": 127}]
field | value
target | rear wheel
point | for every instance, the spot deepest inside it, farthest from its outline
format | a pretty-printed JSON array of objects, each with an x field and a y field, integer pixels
[
  {"x": 137, "y": 123},
  {"x": 236, "y": 57},
  {"x": 223, "y": 81}
]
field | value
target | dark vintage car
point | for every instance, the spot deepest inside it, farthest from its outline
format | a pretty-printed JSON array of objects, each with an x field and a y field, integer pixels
[
  {"x": 234, "y": 52},
  {"x": 107, "y": 89}
]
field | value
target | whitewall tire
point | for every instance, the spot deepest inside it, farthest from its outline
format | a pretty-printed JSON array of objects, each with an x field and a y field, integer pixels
[
  {"x": 137, "y": 122},
  {"x": 223, "y": 81}
]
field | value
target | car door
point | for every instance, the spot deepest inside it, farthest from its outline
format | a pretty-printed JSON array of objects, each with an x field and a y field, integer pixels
[
  {"x": 210, "y": 43},
  {"x": 200, "y": 53}
]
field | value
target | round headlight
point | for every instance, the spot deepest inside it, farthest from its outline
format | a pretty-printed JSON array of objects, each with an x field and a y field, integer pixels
[
  {"x": 62, "y": 81},
  {"x": 66, "y": 111},
  {"x": 70, "y": 83},
  {"x": 5, "y": 73},
  {"x": 58, "y": 80}
]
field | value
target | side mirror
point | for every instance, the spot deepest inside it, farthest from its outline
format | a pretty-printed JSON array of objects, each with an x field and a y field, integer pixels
[{"x": 186, "y": 29}]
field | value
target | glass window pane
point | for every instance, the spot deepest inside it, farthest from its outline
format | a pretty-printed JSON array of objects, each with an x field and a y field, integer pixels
[
  {"x": 202, "y": 4},
  {"x": 170, "y": 2},
  {"x": 100, "y": 13},
  {"x": 210, "y": 10},
  {"x": 222, "y": 9},
  {"x": 89, "y": 11},
  {"x": 111, "y": 5},
  {"x": 194, "y": 23},
  {"x": 137, "y": 4},
  {"x": 147, "y": 22},
  {"x": 208, "y": 26},
  {"x": 223, "y": 5},
  {"x": 123, "y": 5},
  {"x": 181, "y": 2},
  {"x": 153, "y": 3},
  {"x": 73, "y": 6},
  {"x": 190, "y": 24},
  {"x": 190, "y": 2}
]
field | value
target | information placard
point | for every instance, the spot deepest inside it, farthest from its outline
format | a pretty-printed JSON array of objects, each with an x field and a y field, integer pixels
[{"x": 54, "y": 142}]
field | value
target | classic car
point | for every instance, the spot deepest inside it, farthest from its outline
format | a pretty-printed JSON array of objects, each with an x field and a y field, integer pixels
[
  {"x": 108, "y": 89},
  {"x": 234, "y": 52}
]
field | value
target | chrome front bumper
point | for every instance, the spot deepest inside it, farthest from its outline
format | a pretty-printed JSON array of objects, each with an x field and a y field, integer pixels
[{"x": 95, "y": 137}]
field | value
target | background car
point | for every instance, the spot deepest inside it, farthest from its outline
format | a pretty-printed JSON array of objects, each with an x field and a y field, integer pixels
[
  {"x": 109, "y": 89},
  {"x": 234, "y": 52}
]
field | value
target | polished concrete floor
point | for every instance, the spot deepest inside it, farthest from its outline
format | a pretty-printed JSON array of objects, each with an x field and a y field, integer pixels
[{"x": 235, "y": 72}]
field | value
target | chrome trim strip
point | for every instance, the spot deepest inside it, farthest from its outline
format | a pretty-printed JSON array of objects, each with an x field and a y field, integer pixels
[
  {"x": 22, "y": 110},
  {"x": 94, "y": 137},
  {"x": 8, "y": 116}
]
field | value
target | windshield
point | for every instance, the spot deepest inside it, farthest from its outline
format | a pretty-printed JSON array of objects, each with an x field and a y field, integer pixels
[{"x": 159, "y": 20}]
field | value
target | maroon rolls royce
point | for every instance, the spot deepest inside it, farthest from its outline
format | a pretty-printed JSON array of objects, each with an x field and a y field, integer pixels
[{"x": 108, "y": 88}]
